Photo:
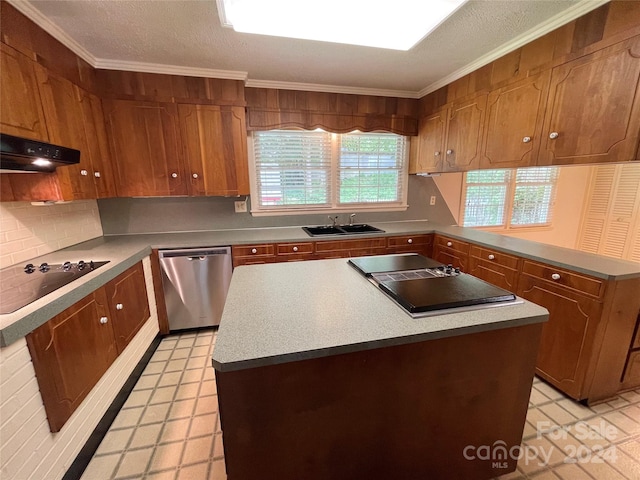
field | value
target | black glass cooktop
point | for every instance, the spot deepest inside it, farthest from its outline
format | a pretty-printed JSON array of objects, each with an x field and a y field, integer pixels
[
  {"x": 442, "y": 293},
  {"x": 392, "y": 263}
]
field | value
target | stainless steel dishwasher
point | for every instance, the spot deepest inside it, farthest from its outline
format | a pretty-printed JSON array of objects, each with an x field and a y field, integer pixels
[{"x": 195, "y": 283}]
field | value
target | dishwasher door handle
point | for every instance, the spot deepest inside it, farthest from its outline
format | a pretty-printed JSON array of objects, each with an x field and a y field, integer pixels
[{"x": 197, "y": 258}]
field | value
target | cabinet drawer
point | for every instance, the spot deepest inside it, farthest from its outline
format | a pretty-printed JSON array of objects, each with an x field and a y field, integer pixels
[
  {"x": 294, "y": 248},
  {"x": 350, "y": 245},
  {"x": 457, "y": 245},
  {"x": 248, "y": 250},
  {"x": 494, "y": 256},
  {"x": 405, "y": 240},
  {"x": 494, "y": 273},
  {"x": 588, "y": 285}
]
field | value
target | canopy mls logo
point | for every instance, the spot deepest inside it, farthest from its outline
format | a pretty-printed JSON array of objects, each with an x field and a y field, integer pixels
[{"x": 574, "y": 439}]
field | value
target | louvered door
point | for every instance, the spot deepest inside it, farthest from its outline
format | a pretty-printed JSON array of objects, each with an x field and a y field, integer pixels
[{"x": 611, "y": 222}]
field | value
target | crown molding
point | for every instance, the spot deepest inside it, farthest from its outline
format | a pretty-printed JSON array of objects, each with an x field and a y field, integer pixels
[
  {"x": 318, "y": 87},
  {"x": 33, "y": 14},
  {"x": 582, "y": 8},
  {"x": 26, "y": 8},
  {"x": 104, "y": 64}
]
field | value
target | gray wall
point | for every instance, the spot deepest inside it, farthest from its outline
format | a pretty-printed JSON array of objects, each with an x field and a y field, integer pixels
[{"x": 184, "y": 214}]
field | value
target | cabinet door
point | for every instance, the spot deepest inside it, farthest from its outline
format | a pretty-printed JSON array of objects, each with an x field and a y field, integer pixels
[
  {"x": 128, "y": 304},
  {"x": 215, "y": 148},
  {"x": 145, "y": 147},
  {"x": 70, "y": 354},
  {"x": 464, "y": 135},
  {"x": 98, "y": 145},
  {"x": 21, "y": 113},
  {"x": 422, "y": 244},
  {"x": 593, "y": 111},
  {"x": 514, "y": 124},
  {"x": 431, "y": 132},
  {"x": 65, "y": 122},
  {"x": 567, "y": 338}
]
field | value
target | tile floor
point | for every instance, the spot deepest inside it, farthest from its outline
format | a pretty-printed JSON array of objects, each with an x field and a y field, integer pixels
[{"x": 164, "y": 430}]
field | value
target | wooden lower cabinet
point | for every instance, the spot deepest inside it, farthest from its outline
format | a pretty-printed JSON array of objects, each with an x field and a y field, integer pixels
[
  {"x": 351, "y": 248},
  {"x": 128, "y": 304},
  {"x": 422, "y": 244},
  {"x": 495, "y": 267},
  {"x": 72, "y": 351},
  {"x": 568, "y": 337},
  {"x": 450, "y": 251},
  {"x": 253, "y": 254}
]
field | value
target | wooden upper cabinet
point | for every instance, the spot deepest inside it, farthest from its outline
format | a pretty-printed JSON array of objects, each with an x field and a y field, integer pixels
[
  {"x": 214, "y": 141},
  {"x": 430, "y": 151},
  {"x": 21, "y": 113},
  {"x": 101, "y": 171},
  {"x": 70, "y": 354},
  {"x": 513, "y": 125},
  {"x": 593, "y": 111},
  {"x": 144, "y": 140},
  {"x": 63, "y": 111},
  {"x": 464, "y": 134}
]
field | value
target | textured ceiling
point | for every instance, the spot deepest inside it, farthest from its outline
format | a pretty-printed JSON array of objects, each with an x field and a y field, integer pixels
[{"x": 188, "y": 34}]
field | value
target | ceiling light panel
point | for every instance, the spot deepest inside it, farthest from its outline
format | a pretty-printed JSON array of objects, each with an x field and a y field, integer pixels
[{"x": 396, "y": 25}]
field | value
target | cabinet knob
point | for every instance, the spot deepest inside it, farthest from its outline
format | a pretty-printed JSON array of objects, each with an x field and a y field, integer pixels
[
  {"x": 491, "y": 256},
  {"x": 449, "y": 152},
  {"x": 119, "y": 306},
  {"x": 103, "y": 320},
  {"x": 254, "y": 250},
  {"x": 436, "y": 154},
  {"x": 195, "y": 175},
  {"x": 96, "y": 174},
  {"x": 410, "y": 240},
  {"x": 555, "y": 276},
  {"x": 295, "y": 249},
  {"x": 554, "y": 135},
  {"x": 84, "y": 173},
  {"x": 449, "y": 244},
  {"x": 174, "y": 175},
  {"x": 526, "y": 139}
]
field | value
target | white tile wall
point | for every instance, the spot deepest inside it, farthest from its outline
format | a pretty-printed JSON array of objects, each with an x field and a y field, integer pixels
[
  {"x": 28, "y": 450},
  {"x": 28, "y": 231}
]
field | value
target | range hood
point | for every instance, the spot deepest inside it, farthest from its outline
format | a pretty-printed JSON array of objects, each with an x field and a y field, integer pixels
[{"x": 28, "y": 156}]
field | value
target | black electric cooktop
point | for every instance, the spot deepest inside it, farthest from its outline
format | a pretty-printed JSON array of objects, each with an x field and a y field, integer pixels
[
  {"x": 423, "y": 286},
  {"x": 442, "y": 293},
  {"x": 392, "y": 263}
]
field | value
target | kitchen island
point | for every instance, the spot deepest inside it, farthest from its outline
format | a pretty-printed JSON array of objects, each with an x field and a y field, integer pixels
[{"x": 320, "y": 375}]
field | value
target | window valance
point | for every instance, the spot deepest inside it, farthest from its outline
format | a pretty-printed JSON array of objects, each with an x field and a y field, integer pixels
[{"x": 270, "y": 109}]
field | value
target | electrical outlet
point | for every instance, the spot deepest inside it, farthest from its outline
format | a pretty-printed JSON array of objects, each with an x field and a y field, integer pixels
[
  {"x": 241, "y": 206},
  {"x": 431, "y": 202}
]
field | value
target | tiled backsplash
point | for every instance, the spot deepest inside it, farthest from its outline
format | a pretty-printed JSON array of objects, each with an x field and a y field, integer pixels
[{"x": 28, "y": 231}]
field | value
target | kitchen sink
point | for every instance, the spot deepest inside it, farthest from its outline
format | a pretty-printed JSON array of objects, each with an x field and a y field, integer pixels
[{"x": 341, "y": 230}]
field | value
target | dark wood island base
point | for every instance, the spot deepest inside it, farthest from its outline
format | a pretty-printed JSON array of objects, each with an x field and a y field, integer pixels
[{"x": 402, "y": 412}]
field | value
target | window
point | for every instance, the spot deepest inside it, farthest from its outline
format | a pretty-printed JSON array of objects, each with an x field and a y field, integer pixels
[
  {"x": 509, "y": 198},
  {"x": 305, "y": 171}
]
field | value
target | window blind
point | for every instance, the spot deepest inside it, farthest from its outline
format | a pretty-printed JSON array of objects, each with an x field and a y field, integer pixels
[
  {"x": 293, "y": 168},
  {"x": 370, "y": 168},
  {"x": 310, "y": 170},
  {"x": 486, "y": 197},
  {"x": 509, "y": 198},
  {"x": 534, "y": 196}
]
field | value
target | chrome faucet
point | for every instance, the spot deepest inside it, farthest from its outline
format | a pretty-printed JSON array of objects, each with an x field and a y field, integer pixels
[
  {"x": 334, "y": 220},
  {"x": 351, "y": 218}
]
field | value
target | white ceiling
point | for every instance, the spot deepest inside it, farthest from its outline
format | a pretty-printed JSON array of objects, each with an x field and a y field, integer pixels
[{"x": 185, "y": 37}]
